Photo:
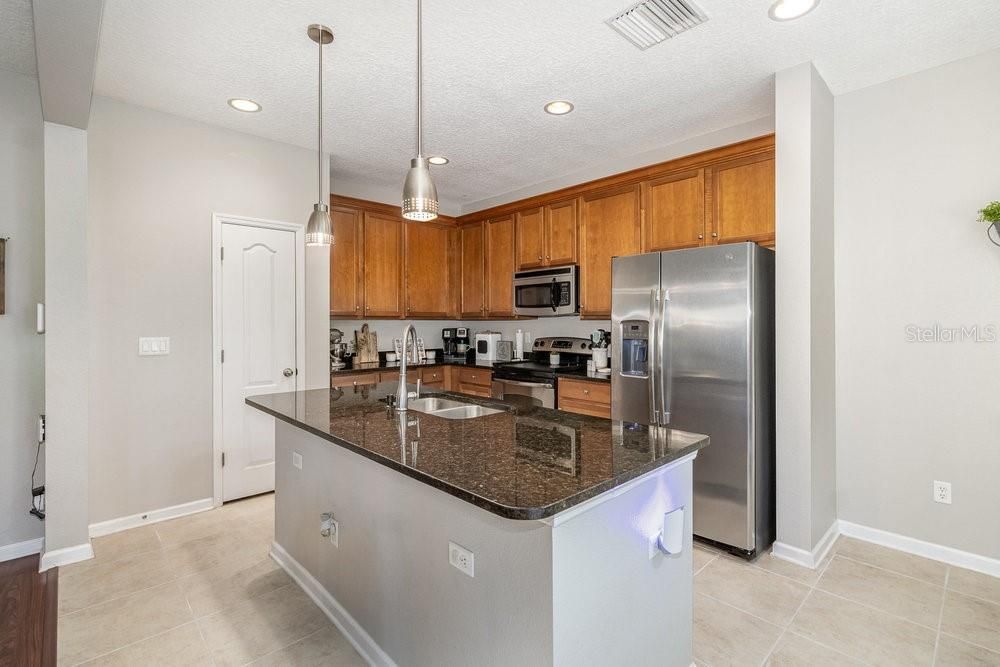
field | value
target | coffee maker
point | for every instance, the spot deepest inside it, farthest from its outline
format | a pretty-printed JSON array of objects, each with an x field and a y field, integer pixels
[{"x": 456, "y": 343}]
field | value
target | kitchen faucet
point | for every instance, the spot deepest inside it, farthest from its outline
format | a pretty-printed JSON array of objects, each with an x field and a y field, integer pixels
[{"x": 402, "y": 397}]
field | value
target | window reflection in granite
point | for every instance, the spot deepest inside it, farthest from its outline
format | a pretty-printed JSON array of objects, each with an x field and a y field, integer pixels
[{"x": 552, "y": 445}]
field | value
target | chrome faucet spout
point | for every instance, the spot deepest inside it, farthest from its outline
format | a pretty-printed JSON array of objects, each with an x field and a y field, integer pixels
[{"x": 401, "y": 393}]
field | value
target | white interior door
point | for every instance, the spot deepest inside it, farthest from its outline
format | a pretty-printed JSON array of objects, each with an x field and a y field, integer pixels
[{"x": 258, "y": 343}]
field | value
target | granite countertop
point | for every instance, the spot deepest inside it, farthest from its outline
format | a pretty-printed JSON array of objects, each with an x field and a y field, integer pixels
[{"x": 523, "y": 463}]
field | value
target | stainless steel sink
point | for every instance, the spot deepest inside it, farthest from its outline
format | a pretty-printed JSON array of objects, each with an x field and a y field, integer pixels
[{"x": 449, "y": 409}]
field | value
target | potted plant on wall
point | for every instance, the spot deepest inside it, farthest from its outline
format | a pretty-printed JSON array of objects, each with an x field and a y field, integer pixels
[{"x": 991, "y": 214}]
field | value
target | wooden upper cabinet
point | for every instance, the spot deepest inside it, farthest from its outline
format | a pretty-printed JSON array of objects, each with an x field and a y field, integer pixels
[
  {"x": 530, "y": 238},
  {"x": 500, "y": 267},
  {"x": 383, "y": 272},
  {"x": 426, "y": 252},
  {"x": 742, "y": 194},
  {"x": 560, "y": 233},
  {"x": 609, "y": 227},
  {"x": 546, "y": 235},
  {"x": 673, "y": 211},
  {"x": 346, "y": 262},
  {"x": 473, "y": 294}
]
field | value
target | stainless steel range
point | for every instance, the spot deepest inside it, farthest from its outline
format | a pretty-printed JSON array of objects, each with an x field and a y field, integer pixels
[{"x": 533, "y": 381}]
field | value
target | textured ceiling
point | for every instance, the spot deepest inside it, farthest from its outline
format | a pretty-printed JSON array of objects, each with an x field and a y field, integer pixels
[
  {"x": 489, "y": 68},
  {"x": 17, "y": 38}
]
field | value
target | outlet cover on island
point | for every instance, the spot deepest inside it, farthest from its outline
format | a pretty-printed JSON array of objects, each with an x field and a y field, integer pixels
[
  {"x": 462, "y": 559},
  {"x": 942, "y": 492}
]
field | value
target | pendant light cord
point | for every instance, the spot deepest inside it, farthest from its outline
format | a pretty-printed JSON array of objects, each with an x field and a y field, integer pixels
[
  {"x": 420, "y": 81},
  {"x": 319, "y": 147}
]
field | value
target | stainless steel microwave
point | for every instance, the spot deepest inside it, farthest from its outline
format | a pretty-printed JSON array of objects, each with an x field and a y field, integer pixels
[{"x": 547, "y": 292}]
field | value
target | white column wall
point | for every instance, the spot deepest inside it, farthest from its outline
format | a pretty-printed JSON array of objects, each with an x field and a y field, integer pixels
[{"x": 805, "y": 348}]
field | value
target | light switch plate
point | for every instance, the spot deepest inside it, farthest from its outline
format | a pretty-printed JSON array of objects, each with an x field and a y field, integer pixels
[
  {"x": 297, "y": 460},
  {"x": 154, "y": 347}
]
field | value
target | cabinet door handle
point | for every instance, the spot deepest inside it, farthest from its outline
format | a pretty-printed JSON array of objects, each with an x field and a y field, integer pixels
[
  {"x": 715, "y": 235},
  {"x": 539, "y": 257},
  {"x": 548, "y": 257},
  {"x": 587, "y": 392},
  {"x": 701, "y": 236}
]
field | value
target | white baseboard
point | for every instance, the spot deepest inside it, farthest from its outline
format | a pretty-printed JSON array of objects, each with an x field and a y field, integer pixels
[
  {"x": 361, "y": 640},
  {"x": 153, "y": 516},
  {"x": 21, "y": 549},
  {"x": 809, "y": 559},
  {"x": 911, "y": 545},
  {"x": 65, "y": 556}
]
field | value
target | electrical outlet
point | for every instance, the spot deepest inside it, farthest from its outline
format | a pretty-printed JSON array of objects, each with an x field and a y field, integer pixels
[
  {"x": 942, "y": 492},
  {"x": 297, "y": 460},
  {"x": 462, "y": 559}
]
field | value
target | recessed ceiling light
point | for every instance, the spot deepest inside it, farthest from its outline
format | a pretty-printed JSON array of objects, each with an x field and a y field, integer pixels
[
  {"x": 241, "y": 104},
  {"x": 559, "y": 107},
  {"x": 438, "y": 159},
  {"x": 786, "y": 10}
]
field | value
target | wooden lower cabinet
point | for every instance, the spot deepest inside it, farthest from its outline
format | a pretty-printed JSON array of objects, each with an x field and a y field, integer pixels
[
  {"x": 585, "y": 398},
  {"x": 434, "y": 378},
  {"x": 474, "y": 381},
  {"x": 609, "y": 227},
  {"x": 355, "y": 379}
]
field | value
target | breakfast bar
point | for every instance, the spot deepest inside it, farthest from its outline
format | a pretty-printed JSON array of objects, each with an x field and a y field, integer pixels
[{"x": 469, "y": 531}]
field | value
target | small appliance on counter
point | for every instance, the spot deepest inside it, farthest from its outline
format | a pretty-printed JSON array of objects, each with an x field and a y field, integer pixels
[
  {"x": 533, "y": 381},
  {"x": 456, "y": 343},
  {"x": 487, "y": 343},
  {"x": 338, "y": 349}
]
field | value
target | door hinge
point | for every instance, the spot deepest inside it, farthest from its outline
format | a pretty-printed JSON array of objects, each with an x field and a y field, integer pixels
[
  {"x": 222, "y": 254},
  {"x": 223, "y": 459},
  {"x": 222, "y": 356}
]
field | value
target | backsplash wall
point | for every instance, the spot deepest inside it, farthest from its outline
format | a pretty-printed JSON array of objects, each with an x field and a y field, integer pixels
[{"x": 430, "y": 330}]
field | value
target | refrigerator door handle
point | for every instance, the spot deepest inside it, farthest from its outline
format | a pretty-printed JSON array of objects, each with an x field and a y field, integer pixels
[
  {"x": 654, "y": 309},
  {"x": 663, "y": 356}
]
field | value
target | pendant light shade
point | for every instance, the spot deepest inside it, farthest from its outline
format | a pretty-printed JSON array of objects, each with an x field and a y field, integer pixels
[
  {"x": 319, "y": 229},
  {"x": 420, "y": 200},
  {"x": 420, "y": 197}
]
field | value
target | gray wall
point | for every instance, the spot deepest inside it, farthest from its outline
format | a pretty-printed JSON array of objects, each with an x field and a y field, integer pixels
[
  {"x": 915, "y": 158},
  {"x": 68, "y": 330},
  {"x": 21, "y": 349},
  {"x": 804, "y": 309},
  {"x": 155, "y": 180}
]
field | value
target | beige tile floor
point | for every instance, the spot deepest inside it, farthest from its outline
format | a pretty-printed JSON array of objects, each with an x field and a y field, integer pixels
[
  {"x": 866, "y": 605},
  {"x": 201, "y": 590}
]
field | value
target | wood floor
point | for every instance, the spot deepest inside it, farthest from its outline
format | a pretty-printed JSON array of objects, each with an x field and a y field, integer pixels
[{"x": 28, "y": 609}]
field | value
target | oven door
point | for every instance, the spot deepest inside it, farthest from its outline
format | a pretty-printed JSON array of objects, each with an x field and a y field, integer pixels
[{"x": 525, "y": 394}]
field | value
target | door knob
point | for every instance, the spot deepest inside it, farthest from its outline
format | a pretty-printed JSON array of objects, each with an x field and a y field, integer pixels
[{"x": 287, "y": 372}]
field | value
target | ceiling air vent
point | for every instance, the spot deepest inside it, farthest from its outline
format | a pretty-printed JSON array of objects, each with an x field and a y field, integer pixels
[{"x": 648, "y": 23}]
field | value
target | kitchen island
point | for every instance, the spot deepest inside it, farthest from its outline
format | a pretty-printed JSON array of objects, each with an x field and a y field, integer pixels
[{"x": 527, "y": 536}]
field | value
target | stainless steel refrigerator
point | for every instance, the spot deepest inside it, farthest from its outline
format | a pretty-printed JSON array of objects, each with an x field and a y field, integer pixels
[{"x": 693, "y": 349}]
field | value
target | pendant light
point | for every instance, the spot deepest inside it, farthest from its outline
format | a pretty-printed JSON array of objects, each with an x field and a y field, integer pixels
[
  {"x": 319, "y": 230},
  {"x": 420, "y": 199}
]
